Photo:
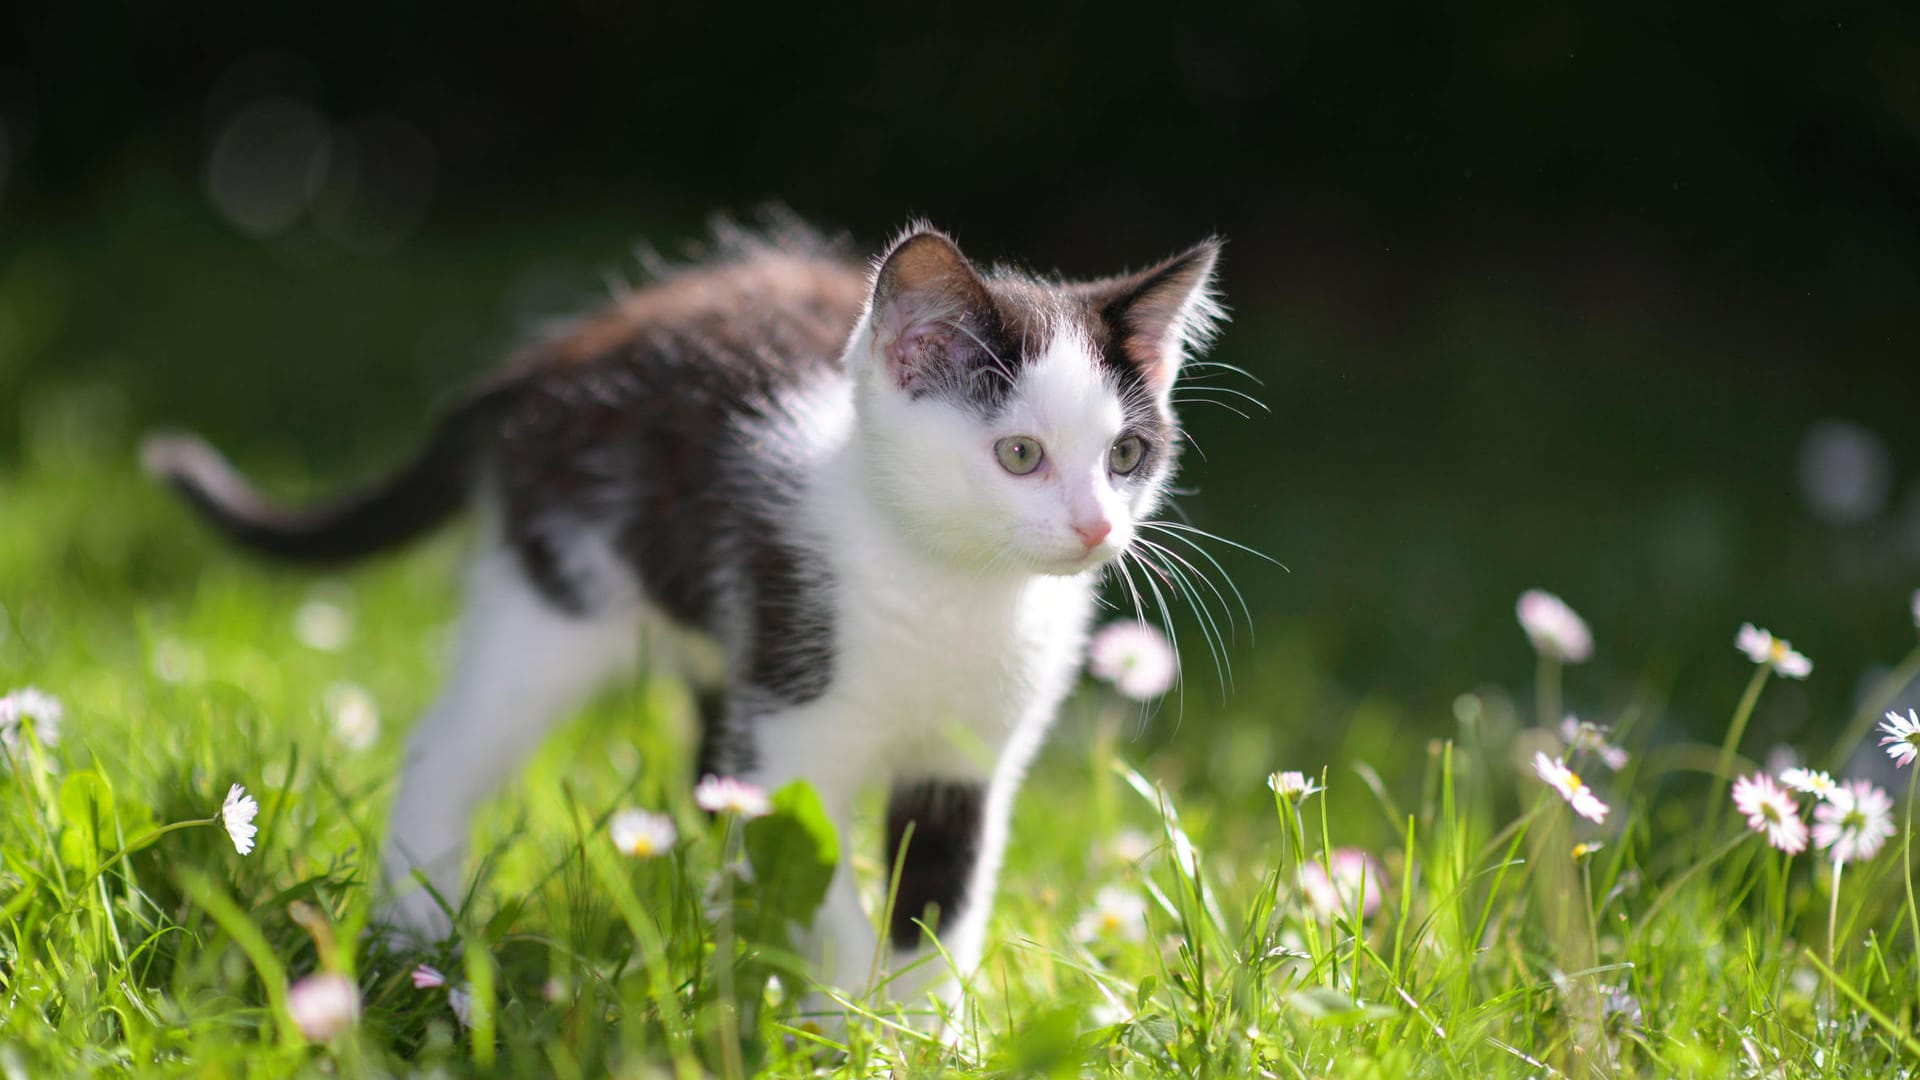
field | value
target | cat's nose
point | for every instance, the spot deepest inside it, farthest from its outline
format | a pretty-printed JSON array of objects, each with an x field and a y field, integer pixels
[{"x": 1092, "y": 534}]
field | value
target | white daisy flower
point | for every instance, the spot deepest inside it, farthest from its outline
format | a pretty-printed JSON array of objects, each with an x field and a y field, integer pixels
[
  {"x": 1134, "y": 657},
  {"x": 323, "y": 1005},
  {"x": 426, "y": 977},
  {"x": 1815, "y": 782},
  {"x": 1916, "y": 608},
  {"x": 323, "y": 625},
  {"x": 642, "y": 833},
  {"x": 1129, "y": 846},
  {"x": 1571, "y": 788},
  {"x": 1763, "y": 648},
  {"x": 237, "y": 814},
  {"x": 461, "y": 1002},
  {"x": 725, "y": 795},
  {"x": 1902, "y": 736},
  {"x": 1116, "y": 914},
  {"x": 1553, "y": 627},
  {"x": 1581, "y": 736},
  {"x": 1293, "y": 786},
  {"x": 354, "y": 714},
  {"x": 1854, "y": 822},
  {"x": 1356, "y": 876},
  {"x": 30, "y": 703},
  {"x": 1771, "y": 812}
]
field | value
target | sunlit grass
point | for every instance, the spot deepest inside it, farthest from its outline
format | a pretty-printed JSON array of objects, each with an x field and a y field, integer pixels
[{"x": 1465, "y": 924}]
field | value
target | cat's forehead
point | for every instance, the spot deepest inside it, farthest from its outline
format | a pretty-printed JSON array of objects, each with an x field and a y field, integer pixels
[{"x": 1043, "y": 339}]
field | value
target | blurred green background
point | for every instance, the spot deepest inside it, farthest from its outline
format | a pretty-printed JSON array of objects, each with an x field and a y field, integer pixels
[{"x": 1619, "y": 302}]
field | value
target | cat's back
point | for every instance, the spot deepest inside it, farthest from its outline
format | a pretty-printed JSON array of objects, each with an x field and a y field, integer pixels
[
  {"x": 647, "y": 423},
  {"x": 723, "y": 332}
]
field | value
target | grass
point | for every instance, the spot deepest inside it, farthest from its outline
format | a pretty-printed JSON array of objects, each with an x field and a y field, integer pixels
[
  {"x": 1505, "y": 936},
  {"x": 1509, "y": 939}
]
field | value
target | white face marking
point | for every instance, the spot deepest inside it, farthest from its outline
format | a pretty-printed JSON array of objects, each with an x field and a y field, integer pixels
[
  {"x": 1063, "y": 400},
  {"x": 934, "y": 462}
]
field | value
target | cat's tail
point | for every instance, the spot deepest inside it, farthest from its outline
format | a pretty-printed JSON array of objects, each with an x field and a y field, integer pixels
[{"x": 402, "y": 506}]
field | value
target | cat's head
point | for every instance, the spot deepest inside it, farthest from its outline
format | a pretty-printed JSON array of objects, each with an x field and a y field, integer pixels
[{"x": 1017, "y": 422}]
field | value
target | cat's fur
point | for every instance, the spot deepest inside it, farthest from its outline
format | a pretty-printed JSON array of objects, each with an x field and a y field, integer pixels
[{"x": 777, "y": 470}]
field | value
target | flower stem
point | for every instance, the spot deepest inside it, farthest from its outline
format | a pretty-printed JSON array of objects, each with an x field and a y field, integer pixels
[
  {"x": 1906, "y": 857},
  {"x": 1833, "y": 912},
  {"x": 1876, "y": 703},
  {"x": 148, "y": 838},
  {"x": 1546, "y": 691},
  {"x": 1741, "y": 714}
]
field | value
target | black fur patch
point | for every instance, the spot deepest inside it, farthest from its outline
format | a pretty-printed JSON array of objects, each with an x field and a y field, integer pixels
[
  {"x": 792, "y": 640},
  {"x": 947, "y": 819},
  {"x": 725, "y": 750}
]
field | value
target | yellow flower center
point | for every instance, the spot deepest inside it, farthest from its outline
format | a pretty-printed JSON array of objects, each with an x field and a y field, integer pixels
[
  {"x": 1778, "y": 650},
  {"x": 1574, "y": 783}
]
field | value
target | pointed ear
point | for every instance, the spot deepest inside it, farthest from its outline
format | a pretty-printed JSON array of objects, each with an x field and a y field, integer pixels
[
  {"x": 923, "y": 295},
  {"x": 1163, "y": 313}
]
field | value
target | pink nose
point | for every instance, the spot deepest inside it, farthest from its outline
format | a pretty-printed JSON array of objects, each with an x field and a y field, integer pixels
[{"x": 1094, "y": 533}]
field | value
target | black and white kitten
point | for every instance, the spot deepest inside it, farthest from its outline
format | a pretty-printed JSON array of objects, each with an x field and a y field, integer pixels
[{"x": 863, "y": 510}]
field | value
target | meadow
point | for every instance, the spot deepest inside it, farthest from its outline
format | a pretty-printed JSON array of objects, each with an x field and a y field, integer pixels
[{"x": 1431, "y": 895}]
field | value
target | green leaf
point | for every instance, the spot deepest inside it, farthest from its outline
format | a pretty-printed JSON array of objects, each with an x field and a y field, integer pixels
[
  {"x": 793, "y": 852},
  {"x": 1326, "y": 1006},
  {"x": 1144, "y": 993},
  {"x": 86, "y": 813}
]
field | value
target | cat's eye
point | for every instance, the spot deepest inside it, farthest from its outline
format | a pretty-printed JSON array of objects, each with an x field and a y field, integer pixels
[
  {"x": 1019, "y": 454},
  {"x": 1126, "y": 454}
]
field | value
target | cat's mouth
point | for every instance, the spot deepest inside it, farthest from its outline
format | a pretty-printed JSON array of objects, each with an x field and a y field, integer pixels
[{"x": 1080, "y": 562}]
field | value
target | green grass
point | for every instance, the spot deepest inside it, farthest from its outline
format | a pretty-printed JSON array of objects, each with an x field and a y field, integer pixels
[
  {"x": 1639, "y": 476},
  {"x": 1659, "y": 949}
]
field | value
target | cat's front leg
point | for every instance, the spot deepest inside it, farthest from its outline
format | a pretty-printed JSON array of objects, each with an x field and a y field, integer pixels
[
  {"x": 947, "y": 829},
  {"x": 815, "y": 743},
  {"x": 520, "y": 665}
]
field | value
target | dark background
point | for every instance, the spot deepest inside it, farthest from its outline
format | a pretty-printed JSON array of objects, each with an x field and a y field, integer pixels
[{"x": 1538, "y": 297}]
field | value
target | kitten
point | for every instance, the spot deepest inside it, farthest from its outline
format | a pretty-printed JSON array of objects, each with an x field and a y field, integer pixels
[{"x": 863, "y": 512}]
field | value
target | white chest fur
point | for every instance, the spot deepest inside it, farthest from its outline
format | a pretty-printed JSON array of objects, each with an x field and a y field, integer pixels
[{"x": 933, "y": 661}]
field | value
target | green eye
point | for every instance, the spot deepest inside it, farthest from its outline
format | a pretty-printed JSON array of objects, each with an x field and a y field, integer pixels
[
  {"x": 1019, "y": 454},
  {"x": 1126, "y": 454}
]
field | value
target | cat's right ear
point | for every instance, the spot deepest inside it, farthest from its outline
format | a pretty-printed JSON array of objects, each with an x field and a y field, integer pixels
[{"x": 924, "y": 294}]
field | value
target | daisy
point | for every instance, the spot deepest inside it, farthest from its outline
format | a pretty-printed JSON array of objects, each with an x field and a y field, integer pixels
[
  {"x": 1293, "y": 786},
  {"x": 1815, "y": 782},
  {"x": 1571, "y": 788},
  {"x": 1763, "y": 648},
  {"x": 1130, "y": 846},
  {"x": 1553, "y": 627},
  {"x": 1771, "y": 812},
  {"x": 1902, "y": 736},
  {"x": 1116, "y": 913},
  {"x": 237, "y": 814},
  {"x": 1134, "y": 657},
  {"x": 1582, "y": 736},
  {"x": 323, "y": 625},
  {"x": 462, "y": 1004},
  {"x": 355, "y": 716},
  {"x": 30, "y": 703},
  {"x": 642, "y": 833},
  {"x": 725, "y": 795},
  {"x": 428, "y": 978},
  {"x": 1853, "y": 823},
  {"x": 1916, "y": 608},
  {"x": 323, "y": 1005},
  {"x": 1356, "y": 877}
]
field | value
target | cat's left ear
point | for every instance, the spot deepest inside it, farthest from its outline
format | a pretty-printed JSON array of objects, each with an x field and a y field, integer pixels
[
  {"x": 925, "y": 292},
  {"x": 1164, "y": 313}
]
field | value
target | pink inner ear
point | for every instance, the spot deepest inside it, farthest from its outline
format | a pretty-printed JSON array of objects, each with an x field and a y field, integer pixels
[
  {"x": 912, "y": 352},
  {"x": 1149, "y": 354}
]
